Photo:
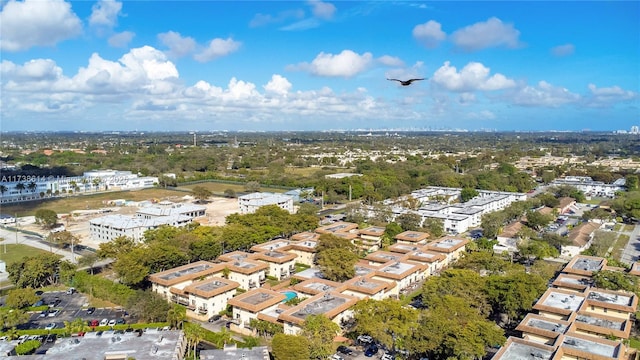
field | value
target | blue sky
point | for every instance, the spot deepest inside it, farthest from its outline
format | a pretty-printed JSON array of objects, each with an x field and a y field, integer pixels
[{"x": 319, "y": 65}]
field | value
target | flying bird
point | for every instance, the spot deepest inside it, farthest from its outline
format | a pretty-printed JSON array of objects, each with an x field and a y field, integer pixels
[{"x": 405, "y": 82}]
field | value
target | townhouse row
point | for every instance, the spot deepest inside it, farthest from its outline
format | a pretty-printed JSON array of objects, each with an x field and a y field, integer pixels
[
  {"x": 237, "y": 278},
  {"x": 575, "y": 320}
]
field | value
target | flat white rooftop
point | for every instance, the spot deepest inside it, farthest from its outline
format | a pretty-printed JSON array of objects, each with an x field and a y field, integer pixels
[
  {"x": 592, "y": 347},
  {"x": 563, "y": 301}
]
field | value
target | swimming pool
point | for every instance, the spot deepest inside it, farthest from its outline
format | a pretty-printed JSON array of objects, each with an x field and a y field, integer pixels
[{"x": 290, "y": 295}]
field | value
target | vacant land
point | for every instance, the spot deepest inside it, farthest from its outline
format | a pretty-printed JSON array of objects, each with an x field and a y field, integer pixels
[
  {"x": 219, "y": 188},
  {"x": 17, "y": 252},
  {"x": 89, "y": 201}
]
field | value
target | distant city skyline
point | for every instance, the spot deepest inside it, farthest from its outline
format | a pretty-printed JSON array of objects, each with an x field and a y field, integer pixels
[{"x": 319, "y": 65}]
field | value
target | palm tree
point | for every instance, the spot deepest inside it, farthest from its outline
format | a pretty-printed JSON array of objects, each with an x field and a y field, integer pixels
[
  {"x": 176, "y": 316},
  {"x": 32, "y": 186},
  {"x": 194, "y": 334},
  {"x": 3, "y": 189},
  {"x": 96, "y": 183},
  {"x": 84, "y": 182}
]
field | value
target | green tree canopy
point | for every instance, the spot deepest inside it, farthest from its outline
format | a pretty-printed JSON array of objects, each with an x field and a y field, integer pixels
[
  {"x": 319, "y": 331},
  {"x": 615, "y": 280},
  {"x": 290, "y": 347},
  {"x": 467, "y": 194},
  {"x": 46, "y": 217},
  {"x": 21, "y": 298},
  {"x": 201, "y": 193},
  {"x": 452, "y": 329},
  {"x": 34, "y": 271},
  {"x": 387, "y": 321}
]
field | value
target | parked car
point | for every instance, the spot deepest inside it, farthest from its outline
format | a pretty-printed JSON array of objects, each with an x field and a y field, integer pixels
[
  {"x": 91, "y": 310},
  {"x": 120, "y": 321},
  {"x": 371, "y": 350},
  {"x": 104, "y": 322},
  {"x": 387, "y": 356},
  {"x": 51, "y": 338},
  {"x": 54, "y": 312},
  {"x": 44, "y": 313},
  {"x": 344, "y": 350},
  {"x": 94, "y": 323},
  {"x": 365, "y": 339},
  {"x": 336, "y": 357},
  {"x": 39, "y": 293},
  {"x": 112, "y": 322},
  {"x": 215, "y": 317},
  {"x": 50, "y": 326},
  {"x": 38, "y": 303},
  {"x": 71, "y": 290}
]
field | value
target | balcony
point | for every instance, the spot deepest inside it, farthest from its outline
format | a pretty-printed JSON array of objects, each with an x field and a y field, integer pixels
[
  {"x": 202, "y": 310},
  {"x": 252, "y": 284},
  {"x": 180, "y": 300}
]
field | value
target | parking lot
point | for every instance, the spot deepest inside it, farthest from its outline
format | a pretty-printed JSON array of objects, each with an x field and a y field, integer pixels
[{"x": 71, "y": 306}]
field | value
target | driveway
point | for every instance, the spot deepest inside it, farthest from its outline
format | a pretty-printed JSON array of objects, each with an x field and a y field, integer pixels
[{"x": 631, "y": 252}]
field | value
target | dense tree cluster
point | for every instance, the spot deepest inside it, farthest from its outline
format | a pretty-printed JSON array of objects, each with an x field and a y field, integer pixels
[{"x": 167, "y": 247}]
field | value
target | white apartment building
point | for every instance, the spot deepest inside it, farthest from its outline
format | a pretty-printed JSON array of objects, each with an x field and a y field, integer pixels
[
  {"x": 90, "y": 181},
  {"x": 590, "y": 187},
  {"x": 109, "y": 227},
  {"x": 248, "y": 204}
]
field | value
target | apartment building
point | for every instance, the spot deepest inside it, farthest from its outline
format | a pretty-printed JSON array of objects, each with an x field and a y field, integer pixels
[
  {"x": 207, "y": 297},
  {"x": 334, "y": 305},
  {"x": 249, "y": 203},
  {"x": 182, "y": 276},
  {"x": 247, "y": 306}
]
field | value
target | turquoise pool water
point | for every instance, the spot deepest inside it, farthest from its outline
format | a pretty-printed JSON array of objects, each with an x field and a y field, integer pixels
[{"x": 290, "y": 295}]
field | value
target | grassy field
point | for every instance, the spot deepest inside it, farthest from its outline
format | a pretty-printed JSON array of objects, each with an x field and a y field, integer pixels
[
  {"x": 89, "y": 201},
  {"x": 219, "y": 188},
  {"x": 17, "y": 252}
]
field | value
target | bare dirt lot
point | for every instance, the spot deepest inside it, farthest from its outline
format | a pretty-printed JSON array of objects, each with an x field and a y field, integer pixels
[{"x": 78, "y": 224}]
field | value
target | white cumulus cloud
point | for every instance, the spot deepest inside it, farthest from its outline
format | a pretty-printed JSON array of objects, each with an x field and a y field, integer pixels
[
  {"x": 544, "y": 94},
  {"x": 30, "y": 23},
  {"x": 105, "y": 13},
  {"x": 482, "y": 35},
  {"x": 178, "y": 45},
  {"x": 218, "y": 48},
  {"x": 430, "y": 34},
  {"x": 278, "y": 85},
  {"x": 474, "y": 76},
  {"x": 346, "y": 64}
]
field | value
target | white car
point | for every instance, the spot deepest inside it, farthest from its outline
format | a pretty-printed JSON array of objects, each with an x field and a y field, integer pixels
[
  {"x": 22, "y": 339},
  {"x": 54, "y": 313},
  {"x": 112, "y": 322},
  {"x": 50, "y": 326},
  {"x": 104, "y": 322}
]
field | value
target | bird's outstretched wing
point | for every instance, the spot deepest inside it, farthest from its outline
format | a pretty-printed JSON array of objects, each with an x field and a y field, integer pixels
[
  {"x": 412, "y": 80},
  {"x": 394, "y": 80}
]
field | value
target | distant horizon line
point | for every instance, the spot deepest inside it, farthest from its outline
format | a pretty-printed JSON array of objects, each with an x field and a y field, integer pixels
[{"x": 191, "y": 132}]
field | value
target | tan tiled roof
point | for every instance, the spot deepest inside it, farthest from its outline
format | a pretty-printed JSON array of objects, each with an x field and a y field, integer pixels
[
  {"x": 183, "y": 273},
  {"x": 257, "y": 299},
  {"x": 581, "y": 234},
  {"x": 211, "y": 287},
  {"x": 412, "y": 236}
]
